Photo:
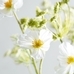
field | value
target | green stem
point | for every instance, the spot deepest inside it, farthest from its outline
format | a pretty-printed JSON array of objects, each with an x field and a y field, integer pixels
[
  {"x": 61, "y": 40},
  {"x": 35, "y": 67},
  {"x": 40, "y": 66},
  {"x": 68, "y": 11},
  {"x": 18, "y": 21}
]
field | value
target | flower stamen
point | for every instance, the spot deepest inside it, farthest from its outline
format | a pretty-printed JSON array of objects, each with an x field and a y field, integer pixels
[
  {"x": 8, "y": 4},
  {"x": 37, "y": 43},
  {"x": 70, "y": 60}
]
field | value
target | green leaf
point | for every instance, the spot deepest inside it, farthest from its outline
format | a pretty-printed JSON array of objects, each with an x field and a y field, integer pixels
[
  {"x": 33, "y": 23},
  {"x": 54, "y": 37},
  {"x": 53, "y": 18},
  {"x": 40, "y": 12},
  {"x": 57, "y": 7},
  {"x": 65, "y": 1},
  {"x": 23, "y": 20},
  {"x": 43, "y": 22}
]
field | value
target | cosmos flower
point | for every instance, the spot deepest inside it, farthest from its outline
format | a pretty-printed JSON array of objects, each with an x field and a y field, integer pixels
[
  {"x": 7, "y": 6},
  {"x": 38, "y": 42},
  {"x": 66, "y": 59}
]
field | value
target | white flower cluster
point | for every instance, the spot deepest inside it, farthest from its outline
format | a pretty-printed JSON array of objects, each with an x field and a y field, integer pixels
[{"x": 30, "y": 47}]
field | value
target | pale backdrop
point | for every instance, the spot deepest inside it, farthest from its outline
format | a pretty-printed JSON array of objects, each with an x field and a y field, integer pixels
[{"x": 8, "y": 27}]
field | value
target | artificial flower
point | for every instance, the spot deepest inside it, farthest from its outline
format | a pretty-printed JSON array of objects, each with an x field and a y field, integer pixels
[
  {"x": 37, "y": 22},
  {"x": 66, "y": 59},
  {"x": 19, "y": 55},
  {"x": 7, "y": 6},
  {"x": 36, "y": 41}
]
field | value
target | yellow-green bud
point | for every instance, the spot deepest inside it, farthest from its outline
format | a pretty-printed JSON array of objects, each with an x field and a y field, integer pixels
[
  {"x": 40, "y": 12},
  {"x": 65, "y": 1},
  {"x": 33, "y": 23},
  {"x": 23, "y": 20}
]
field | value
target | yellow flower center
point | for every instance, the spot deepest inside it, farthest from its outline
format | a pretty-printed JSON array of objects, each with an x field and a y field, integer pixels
[
  {"x": 37, "y": 43},
  {"x": 70, "y": 59},
  {"x": 8, "y": 4}
]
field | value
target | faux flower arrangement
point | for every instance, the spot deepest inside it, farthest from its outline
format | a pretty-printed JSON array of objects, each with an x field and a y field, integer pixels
[{"x": 52, "y": 22}]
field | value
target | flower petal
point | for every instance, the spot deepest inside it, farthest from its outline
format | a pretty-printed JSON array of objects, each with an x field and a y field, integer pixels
[{"x": 18, "y": 4}]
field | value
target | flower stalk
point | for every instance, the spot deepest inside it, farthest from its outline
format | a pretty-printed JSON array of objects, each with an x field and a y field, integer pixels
[
  {"x": 35, "y": 66},
  {"x": 16, "y": 17},
  {"x": 40, "y": 66}
]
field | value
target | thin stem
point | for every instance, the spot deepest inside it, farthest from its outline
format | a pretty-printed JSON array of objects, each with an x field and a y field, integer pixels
[
  {"x": 61, "y": 40},
  {"x": 35, "y": 66},
  {"x": 15, "y": 15},
  {"x": 40, "y": 66},
  {"x": 68, "y": 11}
]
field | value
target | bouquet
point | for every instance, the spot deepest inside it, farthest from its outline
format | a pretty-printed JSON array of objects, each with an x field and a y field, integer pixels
[{"x": 51, "y": 23}]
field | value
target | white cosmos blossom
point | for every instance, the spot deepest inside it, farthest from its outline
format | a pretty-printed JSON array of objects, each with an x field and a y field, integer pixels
[
  {"x": 7, "y": 6},
  {"x": 38, "y": 42},
  {"x": 66, "y": 59}
]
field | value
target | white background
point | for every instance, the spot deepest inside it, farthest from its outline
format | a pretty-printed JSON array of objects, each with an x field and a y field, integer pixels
[{"x": 8, "y": 27}]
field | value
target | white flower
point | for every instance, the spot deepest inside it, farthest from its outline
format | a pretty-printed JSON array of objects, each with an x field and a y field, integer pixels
[
  {"x": 7, "y": 6},
  {"x": 37, "y": 41},
  {"x": 66, "y": 59}
]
